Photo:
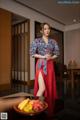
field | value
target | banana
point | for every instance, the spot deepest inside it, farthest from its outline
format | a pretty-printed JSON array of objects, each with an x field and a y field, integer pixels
[
  {"x": 23, "y": 103},
  {"x": 28, "y": 108}
]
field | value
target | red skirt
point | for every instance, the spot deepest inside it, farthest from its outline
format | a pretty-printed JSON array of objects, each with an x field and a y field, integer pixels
[{"x": 50, "y": 83}]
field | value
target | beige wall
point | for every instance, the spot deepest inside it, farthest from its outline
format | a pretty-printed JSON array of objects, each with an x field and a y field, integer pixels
[
  {"x": 5, "y": 47},
  {"x": 72, "y": 46}
]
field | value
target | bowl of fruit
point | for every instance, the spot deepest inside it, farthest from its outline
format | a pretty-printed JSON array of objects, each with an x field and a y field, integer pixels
[{"x": 31, "y": 107}]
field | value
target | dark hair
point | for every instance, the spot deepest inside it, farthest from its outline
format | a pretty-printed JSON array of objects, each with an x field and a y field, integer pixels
[{"x": 42, "y": 25}]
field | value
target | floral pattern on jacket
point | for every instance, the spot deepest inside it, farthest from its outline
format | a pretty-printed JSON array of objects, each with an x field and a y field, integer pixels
[{"x": 40, "y": 47}]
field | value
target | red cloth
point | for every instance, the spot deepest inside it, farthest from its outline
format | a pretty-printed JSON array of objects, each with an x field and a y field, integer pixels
[{"x": 50, "y": 82}]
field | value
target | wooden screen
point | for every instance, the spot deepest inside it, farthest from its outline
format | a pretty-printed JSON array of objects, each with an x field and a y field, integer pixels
[{"x": 20, "y": 53}]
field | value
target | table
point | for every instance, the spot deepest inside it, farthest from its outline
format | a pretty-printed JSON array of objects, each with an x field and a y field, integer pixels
[
  {"x": 13, "y": 115},
  {"x": 17, "y": 94},
  {"x": 71, "y": 72}
]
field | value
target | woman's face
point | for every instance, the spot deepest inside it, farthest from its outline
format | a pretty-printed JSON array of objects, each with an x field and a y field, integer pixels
[{"x": 46, "y": 30}]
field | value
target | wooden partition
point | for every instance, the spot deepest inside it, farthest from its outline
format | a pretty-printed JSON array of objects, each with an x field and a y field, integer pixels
[{"x": 20, "y": 53}]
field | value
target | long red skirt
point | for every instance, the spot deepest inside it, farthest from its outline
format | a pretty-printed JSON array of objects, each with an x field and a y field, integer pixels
[{"x": 50, "y": 93}]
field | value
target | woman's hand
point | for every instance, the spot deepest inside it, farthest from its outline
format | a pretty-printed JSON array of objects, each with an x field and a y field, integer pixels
[{"x": 48, "y": 57}]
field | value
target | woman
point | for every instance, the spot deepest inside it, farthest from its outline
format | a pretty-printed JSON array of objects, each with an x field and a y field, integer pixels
[{"x": 46, "y": 50}]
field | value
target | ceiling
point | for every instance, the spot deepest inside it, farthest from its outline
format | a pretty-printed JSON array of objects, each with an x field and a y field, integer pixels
[
  {"x": 61, "y": 12},
  {"x": 17, "y": 19}
]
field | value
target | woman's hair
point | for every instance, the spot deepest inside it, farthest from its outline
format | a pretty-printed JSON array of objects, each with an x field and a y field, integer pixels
[{"x": 42, "y": 25}]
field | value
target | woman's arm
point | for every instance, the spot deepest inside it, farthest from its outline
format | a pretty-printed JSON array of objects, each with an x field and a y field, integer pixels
[
  {"x": 48, "y": 56},
  {"x": 54, "y": 57},
  {"x": 39, "y": 56}
]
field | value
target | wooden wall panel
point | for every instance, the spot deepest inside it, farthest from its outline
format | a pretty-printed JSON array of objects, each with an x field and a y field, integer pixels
[{"x": 5, "y": 47}]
